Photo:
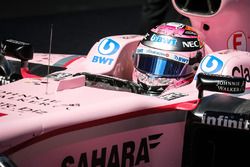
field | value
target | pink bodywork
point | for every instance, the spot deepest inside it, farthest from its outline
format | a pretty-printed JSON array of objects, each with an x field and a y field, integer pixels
[
  {"x": 229, "y": 27},
  {"x": 64, "y": 123}
]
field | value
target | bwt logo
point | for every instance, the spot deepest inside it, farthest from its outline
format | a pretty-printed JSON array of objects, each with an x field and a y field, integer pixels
[
  {"x": 108, "y": 47},
  {"x": 211, "y": 64},
  {"x": 181, "y": 59},
  {"x": 163, "y": 39}
]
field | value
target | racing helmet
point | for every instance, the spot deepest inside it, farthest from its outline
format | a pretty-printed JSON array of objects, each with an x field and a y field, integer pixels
[{"x": 167, "y": 57}]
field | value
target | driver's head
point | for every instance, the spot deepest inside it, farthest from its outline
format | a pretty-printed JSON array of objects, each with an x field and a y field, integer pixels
[{"x": 167, "y": 57}]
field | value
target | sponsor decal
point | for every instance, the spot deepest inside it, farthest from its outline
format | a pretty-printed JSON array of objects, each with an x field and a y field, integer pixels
[
  {"x": 241, "y": 71},
  {"x": 237, "y": 41},
  {"x": 129, "y": 153},
  {"x": 157, "y": 53},
  {"x": 146, "y": 36},
  {"x": 191, "y": 44},
  {"x": 220, "y": 83},
  {"x": 19, "y": 97},
  {"x": 230, "y": 86},
  {"x": 171, "y": 44},
  {"x": 30, "y": 99},
  {"x": 106, "y": 47},
  {"x": 4, "y": 80},
  {"x": 230, "y": 120},
  {"x": 175, "y": 24},
  {"x": 7, "y": 106},
  {"x": 102, "y": 60},
  {"x": 151, "y": 52},
  {"x": 130, "y": 36},
  {"x": 17, "y": 42},
  {"x": 59, "y": 76},
  {"x": 211, "y": 64},
  {"x": 181, "y": 59},
  {"x": 191, "y": 33},
  {"x": 163, "y": 39},
  {"x": 12, "y": 107},
  {"x": 138, "y": 51},
  {"x": 172, "y": 96}
]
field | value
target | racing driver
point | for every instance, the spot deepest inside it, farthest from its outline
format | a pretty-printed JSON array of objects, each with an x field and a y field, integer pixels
[{"x": 167, "y": 57}]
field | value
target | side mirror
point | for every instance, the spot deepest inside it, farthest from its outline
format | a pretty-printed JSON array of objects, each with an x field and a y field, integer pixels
[
  {"x": 17, "y": 49},
  {"x": 219, "y": 83},
  {"x": 5, "y": 67}
]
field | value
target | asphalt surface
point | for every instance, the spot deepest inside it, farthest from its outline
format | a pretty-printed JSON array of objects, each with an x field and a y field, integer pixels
[{"x": 74, "y": 32}]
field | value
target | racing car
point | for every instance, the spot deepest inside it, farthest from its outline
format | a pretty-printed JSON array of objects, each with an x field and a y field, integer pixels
[
  {"x": 76, "y": 119},
  {"x": 88, "y": 112}
]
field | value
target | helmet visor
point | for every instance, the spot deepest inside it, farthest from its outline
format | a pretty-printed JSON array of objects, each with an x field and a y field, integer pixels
[{"x": 158, "y": 66}]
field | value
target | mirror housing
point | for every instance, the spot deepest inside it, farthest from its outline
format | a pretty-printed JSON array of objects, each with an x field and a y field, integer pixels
[
  {"x": 220, "y": 83},
  {"x": 17, "y": 49}
]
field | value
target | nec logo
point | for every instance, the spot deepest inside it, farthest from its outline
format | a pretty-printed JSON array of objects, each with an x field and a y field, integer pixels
[
  {"x": 108, "y": 47},
  {"x": 190, "y": 44},
  {"x": 211, "y": 64}
]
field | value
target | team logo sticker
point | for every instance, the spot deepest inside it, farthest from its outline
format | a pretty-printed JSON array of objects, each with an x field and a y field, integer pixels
[
  {"x": 211, "y": 64},
  {"x": 108, "y": 47},
  {"x": 237, "y": 41}
]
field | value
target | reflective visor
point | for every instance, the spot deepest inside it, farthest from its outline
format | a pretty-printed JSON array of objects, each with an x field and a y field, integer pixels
[{"x": 158, "y": 66}]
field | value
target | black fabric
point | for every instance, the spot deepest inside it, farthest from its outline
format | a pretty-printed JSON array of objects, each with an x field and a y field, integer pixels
[
  {"x": 73, "y": 32},
  {"x": 155, "y": 12}
]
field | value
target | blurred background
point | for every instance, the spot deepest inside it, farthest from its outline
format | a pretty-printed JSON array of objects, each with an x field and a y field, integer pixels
[{"x": 77, "y": 24}]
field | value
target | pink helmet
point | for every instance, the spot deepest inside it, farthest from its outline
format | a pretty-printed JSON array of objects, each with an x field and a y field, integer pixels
[{"x": 167, "y": 57}]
